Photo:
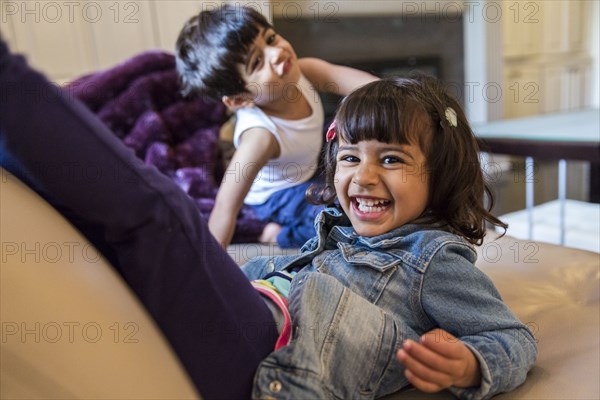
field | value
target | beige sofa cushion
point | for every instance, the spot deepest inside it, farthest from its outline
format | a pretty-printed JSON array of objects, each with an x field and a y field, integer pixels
[
  {"x": 556, "y": 291},
  {"x": 70, "y": 326}
]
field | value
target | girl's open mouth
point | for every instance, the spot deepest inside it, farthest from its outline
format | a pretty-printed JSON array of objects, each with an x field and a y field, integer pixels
[{"x": 369, "y": 207}]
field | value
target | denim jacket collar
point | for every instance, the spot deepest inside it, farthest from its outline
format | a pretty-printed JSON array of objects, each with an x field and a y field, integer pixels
[
  {"x": 413, "y": 244},
  {"x": 333, "y": 226}
]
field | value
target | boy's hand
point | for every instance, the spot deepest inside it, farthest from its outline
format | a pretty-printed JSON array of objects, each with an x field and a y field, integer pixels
[{"x": 439, "y": 361}]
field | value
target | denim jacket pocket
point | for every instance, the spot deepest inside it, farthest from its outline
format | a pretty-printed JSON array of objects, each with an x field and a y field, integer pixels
[
  {"x": 364, "y": 271},
  {"x": 378, "y": 260}
]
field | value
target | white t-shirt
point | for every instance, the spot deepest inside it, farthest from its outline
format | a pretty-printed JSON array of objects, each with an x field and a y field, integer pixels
[{"x": 299, "y": 141}]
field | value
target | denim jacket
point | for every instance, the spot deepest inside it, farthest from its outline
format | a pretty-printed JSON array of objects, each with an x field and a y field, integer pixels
[{"x": 355, "y": 300}]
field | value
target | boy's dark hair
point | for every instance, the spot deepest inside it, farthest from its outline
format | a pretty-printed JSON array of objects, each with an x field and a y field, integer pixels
[
  {"x": 413, "y": 111},
  {"x": 210, "y": 47}
]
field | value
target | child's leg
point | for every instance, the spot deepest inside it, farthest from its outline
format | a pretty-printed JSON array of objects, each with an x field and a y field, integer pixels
[
  {"x": 217, "y": 324},
  {"x": 290, "y": 209}
]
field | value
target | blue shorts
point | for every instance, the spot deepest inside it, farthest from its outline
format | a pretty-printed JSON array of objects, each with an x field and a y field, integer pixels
[{"x": 290, "y": 209}]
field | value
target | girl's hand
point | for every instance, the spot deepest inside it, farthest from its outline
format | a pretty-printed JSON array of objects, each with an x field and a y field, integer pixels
[{"x": 439, "y": 361}]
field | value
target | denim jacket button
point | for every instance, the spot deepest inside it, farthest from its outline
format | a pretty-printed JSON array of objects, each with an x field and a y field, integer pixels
[{"x": 275, "y": 386}]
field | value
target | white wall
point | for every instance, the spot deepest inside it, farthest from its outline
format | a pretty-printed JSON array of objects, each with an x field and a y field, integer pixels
[
  {"x": 594, "y": 51},
  {"x": 483, "y": 64},
  {"x": 72, "y": 38}
]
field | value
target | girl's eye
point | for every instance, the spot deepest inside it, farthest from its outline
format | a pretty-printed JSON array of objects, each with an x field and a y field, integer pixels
[
  {"x": 392, "y": 160},
  {"x": 349, "y": 158}
]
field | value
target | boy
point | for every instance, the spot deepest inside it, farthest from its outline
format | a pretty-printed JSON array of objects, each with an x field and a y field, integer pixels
[{"x": 232, "y": 54}]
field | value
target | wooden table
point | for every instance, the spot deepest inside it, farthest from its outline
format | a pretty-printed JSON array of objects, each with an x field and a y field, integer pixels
[{"x": 563, "y": 136}]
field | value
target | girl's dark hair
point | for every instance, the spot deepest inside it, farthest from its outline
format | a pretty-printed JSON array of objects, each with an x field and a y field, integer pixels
[
  {"x": 413, "y": 111},
  {"x": 211, "y": 46}
]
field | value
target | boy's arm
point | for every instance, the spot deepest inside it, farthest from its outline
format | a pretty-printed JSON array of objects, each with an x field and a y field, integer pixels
[
  {"x": 338, "y": 79},
  {"x": 257, "y": 146}
]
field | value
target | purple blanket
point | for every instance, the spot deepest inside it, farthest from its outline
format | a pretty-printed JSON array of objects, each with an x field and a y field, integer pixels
[{"x": 139, "y": 101}]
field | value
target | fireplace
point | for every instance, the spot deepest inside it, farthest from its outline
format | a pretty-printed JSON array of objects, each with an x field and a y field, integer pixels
[{"x": 383, "y": 45}]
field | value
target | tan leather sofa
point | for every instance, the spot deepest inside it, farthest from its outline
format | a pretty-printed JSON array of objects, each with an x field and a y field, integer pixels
[{"x": 72, "y": 329}]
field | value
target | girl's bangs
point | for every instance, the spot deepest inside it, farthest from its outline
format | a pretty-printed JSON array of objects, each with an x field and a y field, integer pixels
[{"x": 384, "y": 114}]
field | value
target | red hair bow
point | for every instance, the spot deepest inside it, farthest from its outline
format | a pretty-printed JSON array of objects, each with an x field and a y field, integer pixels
[{"x": 330, "y": 132}]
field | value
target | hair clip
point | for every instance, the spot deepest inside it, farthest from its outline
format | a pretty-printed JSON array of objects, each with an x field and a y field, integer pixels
[
  {"x": 451, "y": 117},
  {"x": 330, "y": 132}
]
